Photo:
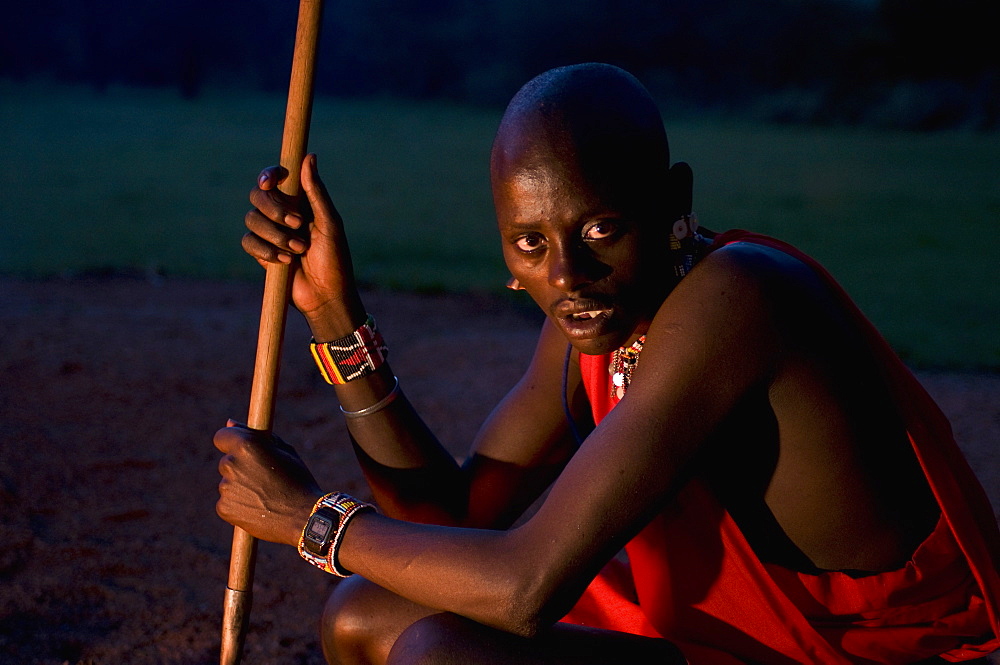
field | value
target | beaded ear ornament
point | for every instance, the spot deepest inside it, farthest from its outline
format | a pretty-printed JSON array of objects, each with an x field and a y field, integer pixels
[{"x": 687, "y": 246}]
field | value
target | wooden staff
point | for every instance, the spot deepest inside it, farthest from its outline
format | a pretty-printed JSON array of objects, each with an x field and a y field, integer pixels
[{"x": 239, "y": 590}]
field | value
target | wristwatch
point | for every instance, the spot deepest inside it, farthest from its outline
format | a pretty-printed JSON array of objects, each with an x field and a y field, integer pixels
[{"x": 320, "y": 531}]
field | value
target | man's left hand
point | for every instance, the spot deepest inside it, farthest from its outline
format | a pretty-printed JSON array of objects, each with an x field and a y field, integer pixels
[{"x": 266, "y": 488}]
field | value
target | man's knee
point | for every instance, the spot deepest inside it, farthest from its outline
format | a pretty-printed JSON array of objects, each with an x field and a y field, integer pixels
[
  {"x": 432, "y": 640},
  {"x": 361, "y": 621},
  {"x": 349, "y": 627},
  {"x": 340, "y": 612}
]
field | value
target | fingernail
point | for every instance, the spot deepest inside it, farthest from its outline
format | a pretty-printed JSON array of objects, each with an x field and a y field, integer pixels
[
  {"x": 262, "y": 179},
  {"x": 293, "y": 221},
  {"x": 296, "y": 245},
  {"x": 284, "y": 258}
]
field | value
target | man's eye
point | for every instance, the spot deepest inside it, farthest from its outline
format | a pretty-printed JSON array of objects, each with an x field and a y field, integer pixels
[
  {"x": 600, "y": 230},
  {"x": 529, "y": 243}
]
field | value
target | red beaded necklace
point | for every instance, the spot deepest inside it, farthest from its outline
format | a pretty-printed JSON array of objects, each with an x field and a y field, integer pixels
[{"x": 623, "y": 362}]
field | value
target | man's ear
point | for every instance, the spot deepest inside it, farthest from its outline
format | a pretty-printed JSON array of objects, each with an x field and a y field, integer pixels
[{"x": 680, "y": 188}]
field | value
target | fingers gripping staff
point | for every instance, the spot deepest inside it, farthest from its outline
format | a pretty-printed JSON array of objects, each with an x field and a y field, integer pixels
[{"x": 236, "y": 611}]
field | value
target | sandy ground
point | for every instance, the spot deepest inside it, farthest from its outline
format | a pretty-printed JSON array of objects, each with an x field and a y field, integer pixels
[{"x": 110, "y": 389}]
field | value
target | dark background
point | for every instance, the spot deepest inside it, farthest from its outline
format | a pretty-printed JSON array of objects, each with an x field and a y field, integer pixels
[{"x": 913, "y": 64}]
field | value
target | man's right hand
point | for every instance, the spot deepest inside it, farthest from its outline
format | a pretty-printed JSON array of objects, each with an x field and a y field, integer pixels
[{"x": 281, "y": 229}]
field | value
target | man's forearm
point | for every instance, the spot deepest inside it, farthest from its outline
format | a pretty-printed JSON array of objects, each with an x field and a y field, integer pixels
[
  {"x": 422, "y": 481},
  {"x": 411, "y": 475}
]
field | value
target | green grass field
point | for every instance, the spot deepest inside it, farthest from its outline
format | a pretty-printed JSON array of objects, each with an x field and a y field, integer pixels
[{"x": 144, "y": 181}]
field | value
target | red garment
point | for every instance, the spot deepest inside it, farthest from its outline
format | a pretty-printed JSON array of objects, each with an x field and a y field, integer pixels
[{"x": 695, "y": 580}]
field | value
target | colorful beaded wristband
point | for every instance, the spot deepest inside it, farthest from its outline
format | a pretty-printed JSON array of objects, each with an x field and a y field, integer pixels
[
  {"x": 352, "y": 357},
  {"x": 346, "y": 507}
]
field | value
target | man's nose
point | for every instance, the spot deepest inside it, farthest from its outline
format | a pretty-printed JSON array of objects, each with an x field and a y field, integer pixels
[{"x": 570, "y": 269}]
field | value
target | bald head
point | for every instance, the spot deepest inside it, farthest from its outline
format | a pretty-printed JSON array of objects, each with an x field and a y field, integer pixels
[{"x": 593, "y": 117}]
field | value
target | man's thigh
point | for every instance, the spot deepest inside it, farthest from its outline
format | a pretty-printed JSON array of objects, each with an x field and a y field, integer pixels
[
  {"x": 447, "y": 639},
  {"x": 364, "y": 623}
]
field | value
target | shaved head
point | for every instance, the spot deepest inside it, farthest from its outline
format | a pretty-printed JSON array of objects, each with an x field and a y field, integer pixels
[{"x": 597, "y": 118}]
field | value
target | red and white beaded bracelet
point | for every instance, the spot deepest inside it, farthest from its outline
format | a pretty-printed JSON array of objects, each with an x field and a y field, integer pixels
[{"x": 352, "y": 357}]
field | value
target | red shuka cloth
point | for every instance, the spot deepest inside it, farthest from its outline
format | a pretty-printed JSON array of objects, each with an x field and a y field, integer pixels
[{"x": 693, "y": 578}]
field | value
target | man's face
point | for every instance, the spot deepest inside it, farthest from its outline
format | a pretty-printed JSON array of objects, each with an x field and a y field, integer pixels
[{"x": 580, "y": 253}]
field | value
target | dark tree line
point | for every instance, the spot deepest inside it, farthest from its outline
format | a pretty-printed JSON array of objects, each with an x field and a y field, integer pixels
[{"x": 916, "y": 63}]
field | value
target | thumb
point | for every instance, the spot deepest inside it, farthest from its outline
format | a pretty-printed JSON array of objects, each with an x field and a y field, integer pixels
[
  {"x": 224, "y": 439},
  {"x": 325, "y": 214}
]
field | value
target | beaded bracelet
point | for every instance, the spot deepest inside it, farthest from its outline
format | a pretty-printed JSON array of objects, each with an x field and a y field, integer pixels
[
  {"x": 352, "y": 357},
  {"x": 346, "y": 507}
]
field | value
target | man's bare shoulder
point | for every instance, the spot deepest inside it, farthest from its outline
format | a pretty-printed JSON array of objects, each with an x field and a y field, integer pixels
[
  {"x": 806, "y": 329},
  {"x": 801, "y": 308},
  {"x": 767, "y": 267},
  {"x": 740, "y": 298}
]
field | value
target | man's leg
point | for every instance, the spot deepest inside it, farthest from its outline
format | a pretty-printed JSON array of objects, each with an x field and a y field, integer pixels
[
  {"x": 362, "y": 620},
  {"x": 364, "y": 624},
  {"x": 448, "y": 639}
]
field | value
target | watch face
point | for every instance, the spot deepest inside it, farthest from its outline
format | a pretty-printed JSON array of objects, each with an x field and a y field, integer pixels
[{"x": 318, "y": 529}]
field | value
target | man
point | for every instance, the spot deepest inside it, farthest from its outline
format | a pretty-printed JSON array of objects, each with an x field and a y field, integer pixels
[{"x": 758, "y": 464}]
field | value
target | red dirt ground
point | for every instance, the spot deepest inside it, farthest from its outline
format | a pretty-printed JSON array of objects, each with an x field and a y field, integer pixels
[{"x": 110, "y": 549}]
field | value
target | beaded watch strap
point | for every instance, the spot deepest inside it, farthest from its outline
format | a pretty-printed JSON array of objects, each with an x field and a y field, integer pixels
[
  {"x": 352, "y": 357},
  {"x": 347, "y": 507}
]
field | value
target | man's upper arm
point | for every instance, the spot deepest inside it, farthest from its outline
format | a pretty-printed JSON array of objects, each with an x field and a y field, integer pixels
[{"x": 526, "y": 440}]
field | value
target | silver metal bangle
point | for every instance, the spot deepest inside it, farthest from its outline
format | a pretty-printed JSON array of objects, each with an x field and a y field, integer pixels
[{"x": 377, "y": 406}]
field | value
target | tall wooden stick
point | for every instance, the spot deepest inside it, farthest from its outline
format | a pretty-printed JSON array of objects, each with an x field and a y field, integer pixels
[{"x": 239, "y": 590}]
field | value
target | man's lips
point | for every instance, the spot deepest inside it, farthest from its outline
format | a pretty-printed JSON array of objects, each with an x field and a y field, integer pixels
[
  {"x": 579, "y": 308},
  {"x": 584, "y": 317}
]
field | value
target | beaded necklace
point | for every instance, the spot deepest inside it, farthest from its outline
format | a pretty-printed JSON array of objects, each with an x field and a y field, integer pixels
[
  {"x": 687, "y": 247},
  {"x": 623, "y": 362}
]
